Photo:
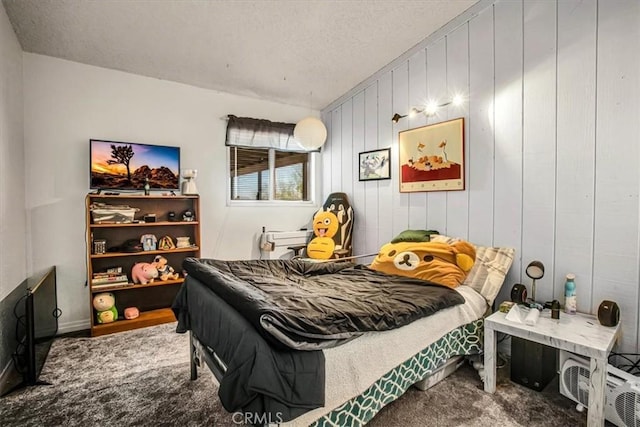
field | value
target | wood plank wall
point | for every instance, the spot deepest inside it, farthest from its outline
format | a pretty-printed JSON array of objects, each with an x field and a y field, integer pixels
[{"x": 552, "y": 125}]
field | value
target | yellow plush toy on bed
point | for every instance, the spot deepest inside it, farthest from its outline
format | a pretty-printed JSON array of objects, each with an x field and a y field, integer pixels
[{"x": 442, "y": 263}]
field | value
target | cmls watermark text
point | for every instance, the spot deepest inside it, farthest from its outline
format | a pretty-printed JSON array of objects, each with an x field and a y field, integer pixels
[{"x": 256, "y": 419}]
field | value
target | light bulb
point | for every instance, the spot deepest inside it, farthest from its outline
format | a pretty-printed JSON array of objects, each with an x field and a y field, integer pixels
[
  {"x": 310, "y": 133},
  {"x": 431, "y": 108}
]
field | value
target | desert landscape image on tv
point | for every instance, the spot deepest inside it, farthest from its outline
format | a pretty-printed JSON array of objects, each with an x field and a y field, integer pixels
[{"x": 127, "y": 165}]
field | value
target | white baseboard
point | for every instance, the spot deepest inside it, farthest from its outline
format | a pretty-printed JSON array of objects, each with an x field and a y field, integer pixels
[{"x": 77, "y": 325}]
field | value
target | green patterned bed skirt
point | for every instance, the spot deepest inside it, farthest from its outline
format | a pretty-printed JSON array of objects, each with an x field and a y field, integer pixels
[{"x": 466, "y": 340}]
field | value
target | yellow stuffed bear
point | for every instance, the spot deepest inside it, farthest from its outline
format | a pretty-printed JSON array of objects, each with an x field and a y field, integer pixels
[{"x": 442, "y": 263}]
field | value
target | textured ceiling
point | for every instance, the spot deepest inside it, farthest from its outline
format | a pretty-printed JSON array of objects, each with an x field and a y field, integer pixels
[{"x": 300, "y": 52}]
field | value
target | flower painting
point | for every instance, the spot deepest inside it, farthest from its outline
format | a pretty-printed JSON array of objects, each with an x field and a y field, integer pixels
[{"x": 432, "y": 157}]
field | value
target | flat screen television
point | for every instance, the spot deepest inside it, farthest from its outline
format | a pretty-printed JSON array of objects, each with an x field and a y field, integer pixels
[
  {"x": 36, "y": 325},
  {"x": 127, "y": 165}
]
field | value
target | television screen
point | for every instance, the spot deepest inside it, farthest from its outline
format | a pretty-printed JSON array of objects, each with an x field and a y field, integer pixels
[
  {"x": 34, "y": 325},
  {"x": 126, "y": 165},
  {"x": 44, "y": 320}
]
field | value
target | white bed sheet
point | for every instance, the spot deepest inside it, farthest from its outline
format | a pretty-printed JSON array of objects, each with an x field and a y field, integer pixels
[{"x": 351, "y": 368}]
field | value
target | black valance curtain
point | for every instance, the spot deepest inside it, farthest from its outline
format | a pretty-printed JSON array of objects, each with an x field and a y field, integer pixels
[{"x": 260, "y": 133}]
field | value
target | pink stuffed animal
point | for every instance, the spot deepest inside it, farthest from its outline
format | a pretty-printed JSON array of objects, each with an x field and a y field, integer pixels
[
  {"x": 131, "y": 313},
  {"x": 143, "y": 273}
]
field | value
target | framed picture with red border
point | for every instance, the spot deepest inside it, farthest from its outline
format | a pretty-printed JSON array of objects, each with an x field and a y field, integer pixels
[{"x": 432, "y": 157}]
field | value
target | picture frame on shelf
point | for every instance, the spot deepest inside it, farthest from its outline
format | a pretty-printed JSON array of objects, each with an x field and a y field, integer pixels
[
  {"x": 431, "y": 157},
  {"x": 149, "y": 242},
  {"x": 374, "y": 165}
]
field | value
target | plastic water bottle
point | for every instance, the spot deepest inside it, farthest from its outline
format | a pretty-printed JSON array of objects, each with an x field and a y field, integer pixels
[{"x": 570, "y": 301}]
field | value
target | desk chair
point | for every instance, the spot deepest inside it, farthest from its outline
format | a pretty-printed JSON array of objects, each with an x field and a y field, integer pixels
[{"x": 337, "y": 204}]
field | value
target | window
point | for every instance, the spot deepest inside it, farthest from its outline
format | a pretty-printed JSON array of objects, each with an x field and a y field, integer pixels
[
  {"x": 265, "y": 162},
  {"x": 251, "y": 174}
]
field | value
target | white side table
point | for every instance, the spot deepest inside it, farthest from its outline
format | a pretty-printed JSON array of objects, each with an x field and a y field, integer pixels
[{"x": 579, "y": 333}]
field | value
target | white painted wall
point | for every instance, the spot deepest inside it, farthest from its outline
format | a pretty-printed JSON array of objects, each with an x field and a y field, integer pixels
[
  {"x": 68, "y": 103},
  {"x": 13, "y": 231},
  {"x": 553, "y": 159}
]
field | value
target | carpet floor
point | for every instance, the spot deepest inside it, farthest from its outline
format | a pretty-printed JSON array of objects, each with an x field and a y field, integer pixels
[{"x": 141, "y": 377}]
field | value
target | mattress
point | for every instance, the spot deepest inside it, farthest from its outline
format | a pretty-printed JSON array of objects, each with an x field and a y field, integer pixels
[
  {"x": 363, "y": 375},
  {"x": 402, "y": 357},
  {"x": 465, "y": 340}
]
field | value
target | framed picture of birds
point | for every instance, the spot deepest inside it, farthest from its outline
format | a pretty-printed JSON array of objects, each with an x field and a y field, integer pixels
[{"x": 432, "y": 157}]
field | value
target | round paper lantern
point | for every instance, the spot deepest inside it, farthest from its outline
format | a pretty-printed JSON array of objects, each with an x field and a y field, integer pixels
[{"x": 310, "y": 133}]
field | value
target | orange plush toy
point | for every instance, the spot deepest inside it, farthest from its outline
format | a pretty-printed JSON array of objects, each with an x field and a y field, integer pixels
[{"x": 442, "y": 263}]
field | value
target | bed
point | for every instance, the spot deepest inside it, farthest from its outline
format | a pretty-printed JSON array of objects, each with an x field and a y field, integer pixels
[{"x": 345, "y": 382}]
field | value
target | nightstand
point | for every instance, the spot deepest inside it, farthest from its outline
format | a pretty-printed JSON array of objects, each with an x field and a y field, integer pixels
[{"x": 578, "y": 333}]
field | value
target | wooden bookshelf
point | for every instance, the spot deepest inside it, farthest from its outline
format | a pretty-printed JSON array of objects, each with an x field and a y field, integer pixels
[{"x": 154, "y": 299}]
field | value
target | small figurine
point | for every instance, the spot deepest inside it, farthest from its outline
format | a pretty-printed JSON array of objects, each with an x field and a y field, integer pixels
[
  {"x": 146, "y": 186},
  {"x": 165, "y": 271}
]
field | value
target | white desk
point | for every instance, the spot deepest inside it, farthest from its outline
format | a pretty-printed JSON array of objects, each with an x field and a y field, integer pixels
[{"x": 580, "y": 333}]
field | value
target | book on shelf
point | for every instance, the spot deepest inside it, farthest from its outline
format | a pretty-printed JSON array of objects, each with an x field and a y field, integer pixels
[
  {"x": 106, "y": 275},
  {"x": 111, "y": 271},
  {"x": 109, "y": 279},
  {"x": 111, "y": 285}
]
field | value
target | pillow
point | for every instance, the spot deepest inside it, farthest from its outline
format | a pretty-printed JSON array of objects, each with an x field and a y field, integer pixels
[
  {"x": 488, "y": 273},
  {"x": 438, "y": 262},
  {"x": 414, "y": 236}
]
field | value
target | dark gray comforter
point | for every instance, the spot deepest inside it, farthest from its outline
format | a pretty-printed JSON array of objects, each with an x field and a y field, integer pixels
[
  {"x": 259, "y": 379},
  {"x": 311, "y": 306},
  {"x": 258, "y": 315}
]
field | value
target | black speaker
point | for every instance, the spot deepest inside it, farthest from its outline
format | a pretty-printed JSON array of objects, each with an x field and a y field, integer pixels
[
  {"x": 518, "y": 293},
  {"x": 533, "y": 365},
  {"x": 608, "y": 313}
]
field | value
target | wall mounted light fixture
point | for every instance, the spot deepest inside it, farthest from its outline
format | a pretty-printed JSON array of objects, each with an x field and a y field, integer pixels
[
  {"x": 430, "y": 109},
  {"x": 396, "y": 117}
]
